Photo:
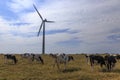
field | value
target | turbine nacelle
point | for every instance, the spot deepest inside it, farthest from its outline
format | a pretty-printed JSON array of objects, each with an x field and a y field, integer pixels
[{"x": 45, "y": 20}]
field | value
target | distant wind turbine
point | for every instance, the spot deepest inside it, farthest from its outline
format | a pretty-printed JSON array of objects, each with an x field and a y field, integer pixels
[{"x": 42, "y": 25}]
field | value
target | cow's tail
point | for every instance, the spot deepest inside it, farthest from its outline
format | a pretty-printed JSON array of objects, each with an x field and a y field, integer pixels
[{"x": 15, "y": 60}]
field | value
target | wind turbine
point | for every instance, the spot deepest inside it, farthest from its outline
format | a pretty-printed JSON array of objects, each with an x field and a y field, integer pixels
[{"x": 42, "y": 26}]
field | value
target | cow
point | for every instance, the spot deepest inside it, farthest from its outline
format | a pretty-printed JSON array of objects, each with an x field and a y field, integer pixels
[
  {"x": 95, "y": 59},
  {"x": 25, "y": 55},
  {"x": 110, "y": 62},
  {"x": 10, "y": 57},
  {"x": 61, "y": 59},
  {"x": 37, "y": 57}
]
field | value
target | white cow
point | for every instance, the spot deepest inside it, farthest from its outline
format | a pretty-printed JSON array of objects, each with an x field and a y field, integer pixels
[{"x": 61, "y": 59}]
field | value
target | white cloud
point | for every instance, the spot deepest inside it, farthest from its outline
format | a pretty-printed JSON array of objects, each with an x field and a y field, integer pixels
[
  {"x": 90, "y": 22},
  {"x": 20, "y": 5}
]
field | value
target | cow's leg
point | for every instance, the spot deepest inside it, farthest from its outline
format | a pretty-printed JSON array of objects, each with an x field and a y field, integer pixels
[
  {"x": 33, "y": 58},
  {"x": 108, "y": 66},
  {"x": 5, "y": 61},
  {"x": 41, "y": 60},
  {"x": 54, "y": 65},
  {"x": 65, "y": 66},
  {"x": 113, "y": 65},
  {"x": 101, "y": 65},
  {"x": 55, "y": 62},
  {"x": 91, "y": 63},
  {"x": 58, "y": 66},
  {"x": 15, "y": 60},
  {"x": 87, "y": 60},
  {"x": 92, "y": 66}
]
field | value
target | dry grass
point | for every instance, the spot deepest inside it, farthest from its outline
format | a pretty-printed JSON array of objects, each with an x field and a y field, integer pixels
[{"x": 76, "y": 70}]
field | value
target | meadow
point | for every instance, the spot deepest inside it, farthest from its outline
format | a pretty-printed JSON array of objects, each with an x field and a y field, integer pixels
[{"x": 76, "y": 70}]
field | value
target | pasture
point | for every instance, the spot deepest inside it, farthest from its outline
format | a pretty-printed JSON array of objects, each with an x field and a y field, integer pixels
[{"x": 76, "y": 70}]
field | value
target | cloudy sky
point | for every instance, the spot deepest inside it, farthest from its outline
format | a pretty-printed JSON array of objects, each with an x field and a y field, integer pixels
[{"x": 88, "y": 26}]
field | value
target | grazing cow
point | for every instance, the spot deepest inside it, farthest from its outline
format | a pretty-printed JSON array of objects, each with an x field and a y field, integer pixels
[
  {"x": 96, "y": 59},
  {"x": 10, "y": 57},
  {"x": 37, "y": 58},
  {"x": 110, "y": 62},
  {"x": 61, "y": 58},
  {"x": 25, "y": 55}
]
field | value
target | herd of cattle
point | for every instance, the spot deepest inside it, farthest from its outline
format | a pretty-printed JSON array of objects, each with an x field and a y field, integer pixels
[
  {"x": 58, "y": 58},
  {"x": 31, "y": 57},
  {"x": 108, "y": 60}
]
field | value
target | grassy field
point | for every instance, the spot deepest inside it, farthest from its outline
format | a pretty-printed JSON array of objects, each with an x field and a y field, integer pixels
[{"x": 76, "y": 70}]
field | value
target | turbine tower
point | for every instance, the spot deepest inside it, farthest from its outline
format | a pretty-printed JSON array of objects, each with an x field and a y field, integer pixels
[{"x": 42, "y": 26}]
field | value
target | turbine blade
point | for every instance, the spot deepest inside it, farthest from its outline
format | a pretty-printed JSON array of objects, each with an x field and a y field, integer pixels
[
  {"x": 37, "y": 12},
  {"x": 50, "y": 21},
  {"x": 40, "y": 29}
]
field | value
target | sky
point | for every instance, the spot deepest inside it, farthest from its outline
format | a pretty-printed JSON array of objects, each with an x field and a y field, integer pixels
[{"x": 81, "y": 26}]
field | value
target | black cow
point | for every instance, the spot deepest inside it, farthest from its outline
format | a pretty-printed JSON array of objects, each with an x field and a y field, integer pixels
[
  {"x": 10, "y": 57},
  {"x": 96, "y": 59},
  {"x": 110, "y": 62}
]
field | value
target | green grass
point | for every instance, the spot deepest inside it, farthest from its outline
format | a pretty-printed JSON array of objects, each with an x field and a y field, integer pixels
[{"x": 76, "y": 70}]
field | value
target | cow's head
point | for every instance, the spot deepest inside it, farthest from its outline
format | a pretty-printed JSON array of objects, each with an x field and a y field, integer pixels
[
  {"x": 53, "y": 55},
  {"x": 71, "y": 58}
]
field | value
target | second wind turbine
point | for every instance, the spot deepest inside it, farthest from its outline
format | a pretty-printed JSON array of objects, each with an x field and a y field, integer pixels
[{"x": 42, "y": 25}]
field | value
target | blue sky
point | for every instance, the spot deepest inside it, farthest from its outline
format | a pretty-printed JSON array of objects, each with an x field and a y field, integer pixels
[{"x": 81, "y": 26}]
